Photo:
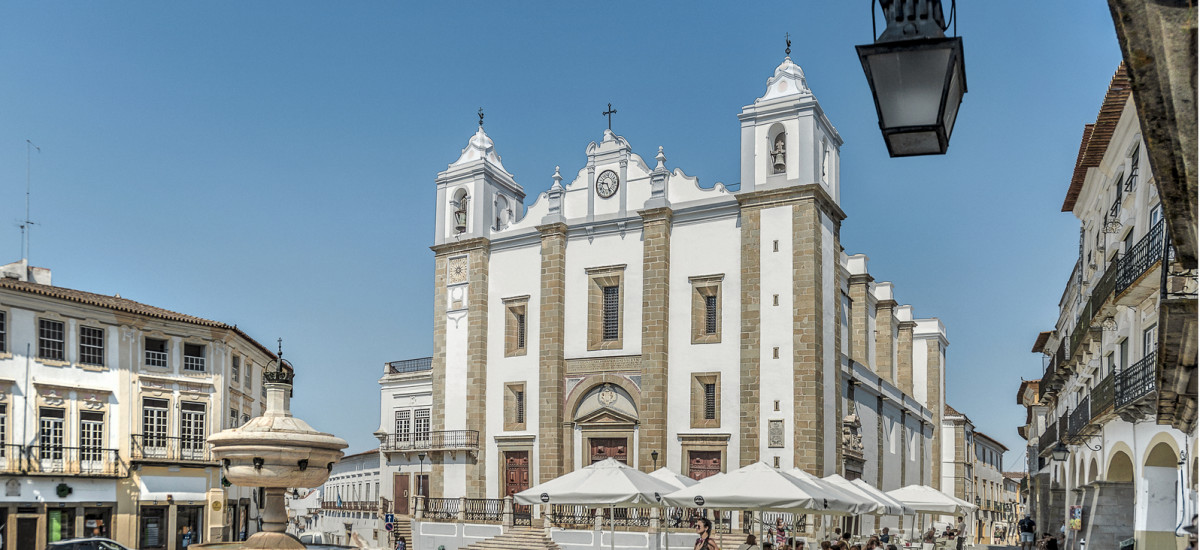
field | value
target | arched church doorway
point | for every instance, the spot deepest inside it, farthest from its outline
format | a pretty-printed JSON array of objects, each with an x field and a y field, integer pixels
[{"x": 606, "y": 424}]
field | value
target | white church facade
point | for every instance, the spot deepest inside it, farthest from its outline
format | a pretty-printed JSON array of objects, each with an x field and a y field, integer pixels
[{"x": 630, "y": 312}]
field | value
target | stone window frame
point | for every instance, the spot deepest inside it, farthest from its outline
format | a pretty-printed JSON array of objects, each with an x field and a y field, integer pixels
[
  {"x": 516, "y": 407},
  {"x": 205, "y": 362},
  {"x": 598, "y": 278},
  {"x": 66, "y": 340},
  {"x": 703, "y": 442},
  {"x": 515, "y": 343},
  {"x": 79, "y": 345},
  {"x": 699, "y": 381},
  {"x": 704, "y": 286}
]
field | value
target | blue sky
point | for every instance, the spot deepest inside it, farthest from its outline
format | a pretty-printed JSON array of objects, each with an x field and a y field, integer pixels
[{"x": 271, "y": 164}]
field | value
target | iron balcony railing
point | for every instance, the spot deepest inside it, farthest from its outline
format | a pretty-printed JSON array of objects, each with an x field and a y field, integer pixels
[
  {"x": 1135, "y": 382},
  {"x": 1102, "y": 396},
  {"x": 410, "y": 365},
  {"x": 60, "y": 460},
  {"x": 1100, "y": 293},
  {"x": 1048, "y": 438},
  {"x": 445, "y": 440},
  {"x": 1141, "y": 257},
  {"x": 160, "y": 448},
  {"x": 1079, "y": 418}
]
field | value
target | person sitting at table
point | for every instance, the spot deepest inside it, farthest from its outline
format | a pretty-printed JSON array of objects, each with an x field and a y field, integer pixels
[{"x": 885, "y": 537}]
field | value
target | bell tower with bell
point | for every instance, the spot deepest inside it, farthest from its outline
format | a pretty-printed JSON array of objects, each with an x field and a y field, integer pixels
[
  {"x": 787, "y": 140},
  {"x": 476, "y": 196}
]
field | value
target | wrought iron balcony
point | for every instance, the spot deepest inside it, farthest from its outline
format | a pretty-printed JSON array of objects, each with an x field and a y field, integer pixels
[
  {"x": 1133, "y": 384},
  {"x": 410, "y": 365},
  {"x": 1139, "y": 259},
  {"x": 1096, "y": 303},
  {"x": 163, "y": 449},
  {"x": 1048, "y": 439},
  {"x": 445, "y": 440},
  {"x": 53, "y": 460},
  {"x": 1079, "y": 424},
  {"x": 1102, "y": 396}
]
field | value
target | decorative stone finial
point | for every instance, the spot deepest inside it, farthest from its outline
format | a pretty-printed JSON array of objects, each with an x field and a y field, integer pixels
[
  {"x": 557, "y": 179},
  {"x": 660, "y": 157}
]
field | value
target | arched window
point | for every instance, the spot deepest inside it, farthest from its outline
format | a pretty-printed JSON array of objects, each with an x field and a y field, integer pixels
[{"x": 503, "y": 215}]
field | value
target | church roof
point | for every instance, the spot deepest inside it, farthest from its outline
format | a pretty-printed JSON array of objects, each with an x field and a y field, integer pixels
[
  {"x": 788, "y": 80},
  {"x": 480, "y": 147}
]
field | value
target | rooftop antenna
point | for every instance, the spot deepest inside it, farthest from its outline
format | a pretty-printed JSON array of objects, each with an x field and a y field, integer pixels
[{"x": 25, "y": 225}]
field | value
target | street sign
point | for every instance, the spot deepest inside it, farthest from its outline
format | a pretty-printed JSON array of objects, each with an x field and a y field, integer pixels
[
  {"x": 387, "y": 526},
  {"x": 389, "y": 518}
]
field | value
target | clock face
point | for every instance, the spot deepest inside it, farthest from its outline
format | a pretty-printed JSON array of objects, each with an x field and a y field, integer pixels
[{"x": 607, "y": 184}]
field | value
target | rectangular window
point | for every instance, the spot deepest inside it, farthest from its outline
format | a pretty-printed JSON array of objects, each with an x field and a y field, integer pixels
[
  {"x": 50, "y": 433},
  {"x": 3, "y": 332},
  {"x": 612, "y": 308},
  {"x": 421, "y": 425},
  {"x": 1109, "y": 364},
  {"x": 91, "y": 345},
  {"x": 706, "y": 400},
  {"x": 520, "y": 406},
  {"x": 156, "y": 352},
  {"x": 193, "y": 357},
  {"x": 1123, "y": 349},
  {"x": 235, "y": 371},
  {"x": 514, "y": 406},
  {"x": 233, "y": 418},
  {"x": 91, "y": 436},
  {"x": 710, "y": 315},
  {"x": 191, "y": 430},
  {"x": 3, "y": 430},
  {"x": 403, "y": 426},
  {"x": 1134, "y": 161},
  {"x": 1149, "y": 340},
  {"x": 154, "y": 426},
  {"x": 706, "y": 308},
  {"x": 515, "y": 326},
  {"x": 50, "y": 340}
]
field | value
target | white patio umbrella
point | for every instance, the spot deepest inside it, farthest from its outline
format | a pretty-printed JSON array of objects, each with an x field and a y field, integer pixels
[
  {"x": 754, "y": 487},
  {"x": 892, "y": 507},
  {"x": 925, "y": 499},
  {"x": 841, "y": 500},
  {"x": 679, "y": 481},
  {"x": 609, "y": 482}
]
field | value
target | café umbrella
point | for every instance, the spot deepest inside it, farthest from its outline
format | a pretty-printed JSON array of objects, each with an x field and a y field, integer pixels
[{"x": 606, "y": 483}]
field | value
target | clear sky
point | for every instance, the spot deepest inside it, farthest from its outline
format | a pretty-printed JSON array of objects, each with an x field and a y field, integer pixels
[{"x": 272, "y": 164}]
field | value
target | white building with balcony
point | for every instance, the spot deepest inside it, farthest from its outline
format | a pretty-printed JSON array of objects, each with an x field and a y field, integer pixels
[{"x": 1097, "y": 403}]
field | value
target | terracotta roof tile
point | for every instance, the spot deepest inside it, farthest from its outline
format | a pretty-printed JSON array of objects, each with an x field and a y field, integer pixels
[
  {"x": 1096, "y": 136},
  {"x": 979, "y": 434},
  {"x": 1014, "y": 475},
  {"x": 1039, "y": 345},
  {"x": 122, "y": 304},
  {"x": 949, "y": 411}
]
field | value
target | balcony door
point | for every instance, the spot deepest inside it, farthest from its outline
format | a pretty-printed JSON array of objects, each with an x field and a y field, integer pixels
[
  {"x": 191, "y": 431},
  {"x": 154, "y": 428},
  {"x": 50, "y": 439},
  {"x": 91, "y": 441}
]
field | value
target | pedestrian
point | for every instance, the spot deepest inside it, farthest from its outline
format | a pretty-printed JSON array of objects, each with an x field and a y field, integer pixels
[
  {"x": 750, "y": 544},
  {"x": 704, "y": 534},
  {"x": 402, "y": 544},
  {"x": 886, "y": 536},
  {"x": 1027, "y": 527},
  {"x": 1051, "y": 542},
  {"x": 186, "y": 537},
  {"x": 779, "y": 533},
  {"x": 960, "y": 531}
]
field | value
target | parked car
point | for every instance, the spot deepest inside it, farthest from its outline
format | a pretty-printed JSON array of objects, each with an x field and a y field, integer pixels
[{"x": 94, "y": 543}]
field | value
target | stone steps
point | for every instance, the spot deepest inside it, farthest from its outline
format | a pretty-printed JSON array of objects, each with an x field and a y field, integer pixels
[{"x": 518, "y": 538}]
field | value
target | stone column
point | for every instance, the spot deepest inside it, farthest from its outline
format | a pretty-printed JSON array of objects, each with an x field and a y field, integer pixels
[
  {"x": 904, "y": 350},
  {"x": 933, "y": 398},
  {"x": 750, "y": 338},
  {"x": 884, "y": 344},
  {"x": 808, "y": 341},
  {"x": 551, "y": 351},
  {"x": 656, "y": 270},
  {"x": 859, "y": 292}
]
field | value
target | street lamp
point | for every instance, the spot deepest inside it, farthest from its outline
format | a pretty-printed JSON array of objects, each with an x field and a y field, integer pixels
[
  {"x": 421, "y": 474},
  {"x": 1060, "y": 452},
  {"x": 916, "y": 76},
  {"x": 654, "y": 457}
]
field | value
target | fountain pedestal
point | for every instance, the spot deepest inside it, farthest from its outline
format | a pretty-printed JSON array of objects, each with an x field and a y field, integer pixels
[{"x": 276, "y": 451}]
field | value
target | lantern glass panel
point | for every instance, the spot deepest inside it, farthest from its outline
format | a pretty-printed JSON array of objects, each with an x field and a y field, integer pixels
[
  {"x": 908, "y": 85},
  {"x": 953, "y": 97}
]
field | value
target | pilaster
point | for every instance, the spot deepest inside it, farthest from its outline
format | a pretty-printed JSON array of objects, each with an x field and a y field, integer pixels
[
  {"x": 751, "y": 338},
  {"x": 934, "y": 398},
  {"x": 551, "y": 351},
  {"x": 904, "y": 357},
  {"x": 859, "y": 292},
  {"x": 884, "y": 344},
  {"x": 656, "y": 268},
  {"x": 808, "y": 322}
]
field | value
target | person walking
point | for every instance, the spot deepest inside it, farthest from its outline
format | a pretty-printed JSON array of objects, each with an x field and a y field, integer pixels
[
  {"x": 1028, "y": 528},
  {"x": 960, "y": 533},
  {"x": 750, "y": 544}
]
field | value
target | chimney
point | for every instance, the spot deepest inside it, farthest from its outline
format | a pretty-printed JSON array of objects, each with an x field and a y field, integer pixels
[{"x": 21, "y": 271}]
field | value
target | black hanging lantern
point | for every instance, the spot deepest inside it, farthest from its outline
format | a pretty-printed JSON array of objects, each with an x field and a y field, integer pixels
[
  {"x": 1060, "y": 453},
  {"x": 916, "y": 76}
]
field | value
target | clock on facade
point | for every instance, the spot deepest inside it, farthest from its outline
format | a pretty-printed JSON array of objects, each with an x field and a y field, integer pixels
[{"x": 607, "y": 184}]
